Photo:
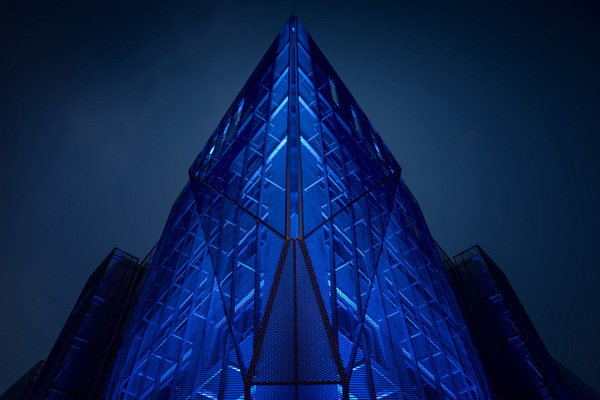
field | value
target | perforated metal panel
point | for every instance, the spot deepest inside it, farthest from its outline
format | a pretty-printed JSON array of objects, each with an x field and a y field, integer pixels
[{"x": 296, "y": 263}]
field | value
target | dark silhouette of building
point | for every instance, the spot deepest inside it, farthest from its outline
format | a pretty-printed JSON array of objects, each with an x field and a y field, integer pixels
[
  {"x": 21, "y": 389},
  {"x": 79, "y": 362},
  {"x": 515, "y": 358}
]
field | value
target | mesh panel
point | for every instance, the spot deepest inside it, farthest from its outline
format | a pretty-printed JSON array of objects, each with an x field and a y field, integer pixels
[
  {"x": 296, "y": 317},
  {"x": 296, "y": 346},
  {"x": 320, "y": 250},
  {"x": 276, "y": 358},
  {"x": 269, "y": 248},
  {"x": 273, "y": 392},
  {"x": 383, "y": 360},
  {"x": 233, "y": 387},
  {"x": 361, "y": 378},
  {"x": 315, "y": 358},
  {"x": 329, "y": 392}
]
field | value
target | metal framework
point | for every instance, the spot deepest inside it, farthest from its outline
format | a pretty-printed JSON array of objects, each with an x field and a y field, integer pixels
[
  {"x": 79, "y": 363},
  {"x": 515, "y": 359},
  {"x": 296, "y": 263}
]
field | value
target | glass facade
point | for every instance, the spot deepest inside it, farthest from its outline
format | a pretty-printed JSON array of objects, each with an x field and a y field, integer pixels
[
  {"x": 515, "y": 358},
  {"x": 79, "y": 363},
  {"x": 296, "y": 263}
]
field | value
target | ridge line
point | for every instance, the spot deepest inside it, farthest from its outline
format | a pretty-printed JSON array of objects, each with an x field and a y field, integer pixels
[
  {"x": 352, "y": 203},
  {"x": 238, "y": 205}
]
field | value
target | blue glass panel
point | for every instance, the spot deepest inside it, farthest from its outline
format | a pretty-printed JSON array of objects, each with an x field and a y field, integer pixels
[
  {"x": 316, "y": 356},
  {"x": 361, "y": 378},
  {"x": 269, "y": 248},
  {"x": 272, "y": 206},
  {"x": 347, "y": 285},
  {"x": 297, "y": 344},
  {"x": 165, "y": 341},
  {"x": 364, "y": 249},
  {"x": 434, "y": 359},
  {"x": 381, "y": 349},
  {"x": 276, "y": 357},
  {"x": 232, "y": 382},
  {"x": 400, "y": 328},
  {"x": 314, "y": 170},
  {"x": 321, "y": 253},
  {"x": 213, "y": 348},
  {"x": 296, "y": 254},
  {"x": 244, "y": 285},
  {"x": 336, "y": 173}
]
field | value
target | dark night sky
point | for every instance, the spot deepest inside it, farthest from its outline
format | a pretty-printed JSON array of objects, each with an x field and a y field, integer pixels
[{"x": 492, "y": 111}]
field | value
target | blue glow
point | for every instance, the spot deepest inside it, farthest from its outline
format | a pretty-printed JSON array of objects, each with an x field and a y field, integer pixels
[
  {"x": 296, "y": 263},
  {"x": 76, "y": 366},
  {"x": 515, "y": 359}
]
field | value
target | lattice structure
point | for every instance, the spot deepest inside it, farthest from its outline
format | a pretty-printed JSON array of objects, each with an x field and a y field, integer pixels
[
  {"x": 296, "y": 263},
  {"x": 516, "y": 361},
  {"x": 79, "y": 364}
]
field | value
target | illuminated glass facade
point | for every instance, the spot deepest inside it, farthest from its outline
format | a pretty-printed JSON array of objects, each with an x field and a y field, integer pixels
[
  {"x": 515, "y": 358},
  {"x": 79, "y": 362},
  {"x": 296, "y": 263}
]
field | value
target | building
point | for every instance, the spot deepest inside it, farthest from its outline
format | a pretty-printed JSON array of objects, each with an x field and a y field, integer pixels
[
  {"x": 78, "y": 364},
  {"x": 515, "y": 358},
  {"x": 282, "y": 257},
  {"x": 22, "y": 388},
  {"x": 295, "y": 264}
]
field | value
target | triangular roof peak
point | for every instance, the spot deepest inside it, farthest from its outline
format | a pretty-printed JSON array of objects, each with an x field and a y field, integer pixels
[{"x": 294, "y": 139}]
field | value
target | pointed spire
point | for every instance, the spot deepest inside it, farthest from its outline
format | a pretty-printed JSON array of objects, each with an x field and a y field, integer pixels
[
  {"x": 294, "y": 148},
  {"x": 296, "y": 264}
]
